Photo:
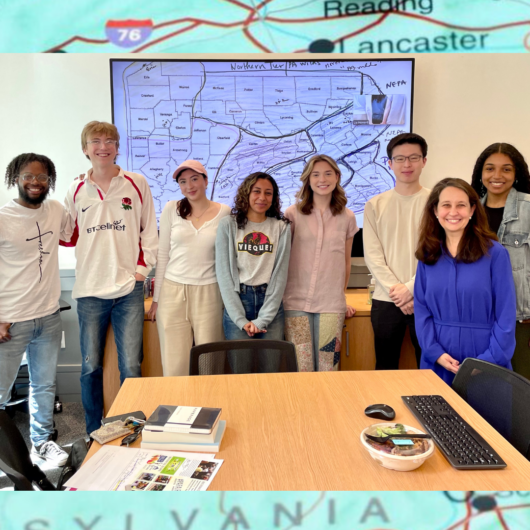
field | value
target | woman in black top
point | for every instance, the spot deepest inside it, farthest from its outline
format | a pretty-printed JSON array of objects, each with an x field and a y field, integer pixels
[{"x": 502, "y": 179}]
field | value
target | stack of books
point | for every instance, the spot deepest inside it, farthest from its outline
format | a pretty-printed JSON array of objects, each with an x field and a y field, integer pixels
[{"x": 178, "y": 428}]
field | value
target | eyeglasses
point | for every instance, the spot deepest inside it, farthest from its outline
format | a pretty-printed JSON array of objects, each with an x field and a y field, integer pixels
[
  {"x": 28, "y": 177},
  {"x": 108, "y": 141},
  {"x": 413, "y": 158}
]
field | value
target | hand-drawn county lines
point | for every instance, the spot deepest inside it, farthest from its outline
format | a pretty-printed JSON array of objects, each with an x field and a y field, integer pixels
[{"x": 240, "y": 117}]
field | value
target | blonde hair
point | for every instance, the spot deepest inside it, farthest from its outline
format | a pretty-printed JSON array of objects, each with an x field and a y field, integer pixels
[
  {"x": 99, "y": 127},
  {"x": 304, "y": 196}
]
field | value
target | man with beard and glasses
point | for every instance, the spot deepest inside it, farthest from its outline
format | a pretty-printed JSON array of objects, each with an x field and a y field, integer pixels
[{"x": 30, "y": 228}]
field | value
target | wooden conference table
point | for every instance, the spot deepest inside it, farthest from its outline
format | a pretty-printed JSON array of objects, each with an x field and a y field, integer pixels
[
  {"x": 300, "y": 431},
  {"x": 357, "y": 352}
]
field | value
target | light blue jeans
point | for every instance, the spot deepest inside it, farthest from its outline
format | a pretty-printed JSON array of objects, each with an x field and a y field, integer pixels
[
  {"x": 252, "y": 298},
  {"x": 41, "y": 340},
  {"x": 127, "y": 317}
]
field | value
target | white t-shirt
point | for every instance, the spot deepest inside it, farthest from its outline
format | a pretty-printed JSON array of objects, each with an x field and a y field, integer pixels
[
  {"x": 186, "y": 255},
  {"x": 29, "y": 263},
  {"x": 256, "y": 250}
]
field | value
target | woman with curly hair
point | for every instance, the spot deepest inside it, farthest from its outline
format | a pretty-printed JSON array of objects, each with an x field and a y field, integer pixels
[
  {"x": 464, "y": 295},
  {"x": 251, "y": 258},
  {"x": 502, "y": 179},
  {"x": 322, "y": 230}
]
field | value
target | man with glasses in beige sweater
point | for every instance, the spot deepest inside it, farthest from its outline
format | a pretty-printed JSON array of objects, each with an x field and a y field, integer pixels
[{"x": 391, "y": 230}]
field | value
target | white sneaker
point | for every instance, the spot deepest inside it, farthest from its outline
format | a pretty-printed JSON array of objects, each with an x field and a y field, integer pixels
[{"x": 51, "y": 452}]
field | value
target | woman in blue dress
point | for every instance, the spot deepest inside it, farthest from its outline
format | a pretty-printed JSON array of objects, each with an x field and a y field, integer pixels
[{"x": 464, "y": 294}]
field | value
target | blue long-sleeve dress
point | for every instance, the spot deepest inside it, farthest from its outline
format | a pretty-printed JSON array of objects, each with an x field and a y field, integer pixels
[{"x": 466, "y": 310}]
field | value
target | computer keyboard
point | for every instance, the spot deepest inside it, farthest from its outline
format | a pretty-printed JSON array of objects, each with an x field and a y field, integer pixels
[{"x": 463, "y": 447}]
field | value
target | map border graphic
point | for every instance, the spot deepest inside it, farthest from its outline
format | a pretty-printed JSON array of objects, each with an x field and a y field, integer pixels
[
  {"x": 453, "y": 510},
  {"x": 255, "y": 15}
]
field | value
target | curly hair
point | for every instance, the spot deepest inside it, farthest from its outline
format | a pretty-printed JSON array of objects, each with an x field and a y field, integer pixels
[
  {"x": 304, "y": 196},
  {"x": 21, "y": 161},
  {"x": 242, "y": 205},
  {"x": 477, "y": 238},
  {"x": 522, "y": 176}
]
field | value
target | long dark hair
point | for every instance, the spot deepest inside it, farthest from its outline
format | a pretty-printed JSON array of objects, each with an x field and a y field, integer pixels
[
  {"x": 522, "y": 176},
  {"x": 241, "y": 201},
  {"x": 477, "y": 238},
  {"x": 304, "y": 195}
]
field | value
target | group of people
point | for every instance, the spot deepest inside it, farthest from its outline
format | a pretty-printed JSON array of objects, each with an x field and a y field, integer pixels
[
  {"x": 253, "y": 271},
  {"x": 452, "y": 264}
]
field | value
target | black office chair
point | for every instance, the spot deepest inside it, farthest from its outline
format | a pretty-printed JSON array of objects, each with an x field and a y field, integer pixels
[
  {"x": 15, "y": 461},
  {"x": 242, "y": 357},
  {"x": 500, "y": 396}
]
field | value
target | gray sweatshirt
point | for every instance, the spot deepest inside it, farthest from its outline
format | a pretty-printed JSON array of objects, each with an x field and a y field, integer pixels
[{"x": 226, "y": 267}]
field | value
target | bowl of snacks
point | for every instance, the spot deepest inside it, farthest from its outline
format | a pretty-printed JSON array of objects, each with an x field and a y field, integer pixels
[{"x": 399, "y": 454}]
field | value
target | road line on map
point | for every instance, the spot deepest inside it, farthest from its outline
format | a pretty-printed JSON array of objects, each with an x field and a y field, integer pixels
[
  {"x": 498, "y": 512},
  {"x": 462, "y": 28},
  {"x": 255, "y": 41},
  {"x": 74, "y": 39},
  {"x": 309, "y": 510},
  {"x": 403, "y": 14},
  {"x": 516, "y": 507},
  {"x": 469, "y": 512},
  {"x": 201, "y": 21},
  {"x": 165, "y": 37},
  {"x": 464, "y": 521},
  {"x": 527, "y": 41},
  {"x": 251, "y": 18},
  {"x": 264, "y": 24},
  {"x": 239, "y": 4}
]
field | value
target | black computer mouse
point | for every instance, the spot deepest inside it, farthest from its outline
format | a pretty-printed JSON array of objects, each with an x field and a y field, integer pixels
[{"x": 381, "y": 412}]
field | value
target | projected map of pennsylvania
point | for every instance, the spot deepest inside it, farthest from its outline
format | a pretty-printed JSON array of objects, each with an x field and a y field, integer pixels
[{"x": 240, "y": 117}]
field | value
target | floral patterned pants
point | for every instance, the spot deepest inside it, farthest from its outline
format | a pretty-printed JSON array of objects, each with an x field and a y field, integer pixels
[{"x": 316, "y": 337}]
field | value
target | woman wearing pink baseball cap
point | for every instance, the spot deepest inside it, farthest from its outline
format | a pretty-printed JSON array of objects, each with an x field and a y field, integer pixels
[{"x": 187, "y": 302}]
